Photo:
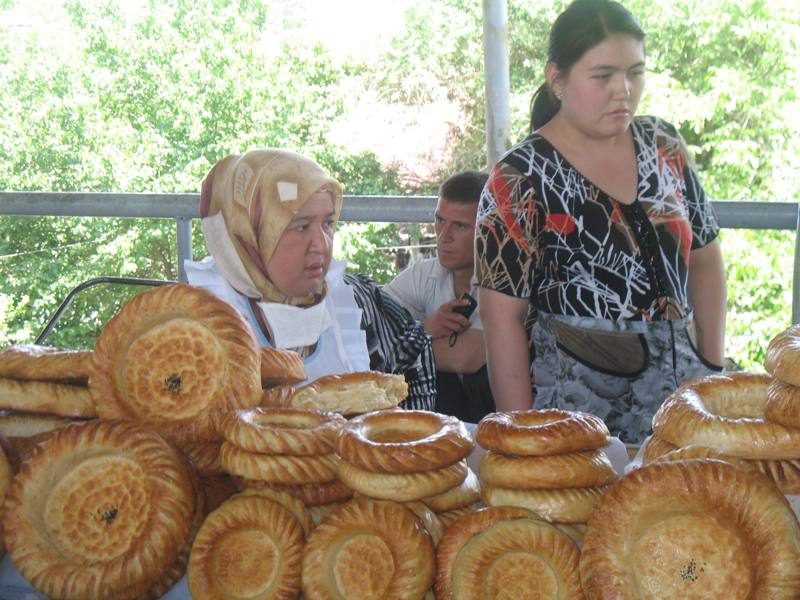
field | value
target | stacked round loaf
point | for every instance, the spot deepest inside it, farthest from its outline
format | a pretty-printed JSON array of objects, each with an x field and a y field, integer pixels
[
  {"x": 289, "y": 449},
  {"x": 548, "y": 461},
  {"x": 743, "y": 415},
  {"x": 42, "y": 388},
  {"x": 405, "y": 455}
]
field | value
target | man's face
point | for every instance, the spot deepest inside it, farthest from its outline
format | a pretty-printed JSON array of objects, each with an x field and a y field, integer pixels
[{"x": 454, "y": 224}]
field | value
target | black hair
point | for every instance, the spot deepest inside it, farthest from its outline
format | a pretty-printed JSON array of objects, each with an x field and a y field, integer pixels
[
  {"x": 464, "y": 187},
  {"x": 582, "y": 25}
]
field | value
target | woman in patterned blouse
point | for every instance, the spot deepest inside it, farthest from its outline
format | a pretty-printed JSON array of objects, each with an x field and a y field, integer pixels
[{"x": 595, "y": 230}]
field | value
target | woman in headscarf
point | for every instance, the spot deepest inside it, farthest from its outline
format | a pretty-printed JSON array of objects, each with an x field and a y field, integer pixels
[{"x": 269, "y": 217}]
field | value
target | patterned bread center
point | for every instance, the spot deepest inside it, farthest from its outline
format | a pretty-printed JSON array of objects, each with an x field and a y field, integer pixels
[
  {"x": 173, "y": 370},
  {"x": 364, "y": 567},
  {"x": 246, "y": 563},
  {"x": 514, "y": 575},
  {"x": 98, "y": 509},
  {"x": 692, "y": 557}
]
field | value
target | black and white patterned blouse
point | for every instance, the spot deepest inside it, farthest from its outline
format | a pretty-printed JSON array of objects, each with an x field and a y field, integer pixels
[
  {"x": 396, "y": 343},
  {"x": 547, "y": 233}
]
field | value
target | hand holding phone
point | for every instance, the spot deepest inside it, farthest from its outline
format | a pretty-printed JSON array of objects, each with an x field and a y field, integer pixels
[{"x": 467, "y": 309}]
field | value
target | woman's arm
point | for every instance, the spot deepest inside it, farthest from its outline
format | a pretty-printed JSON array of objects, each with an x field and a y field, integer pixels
[
  {"x": 708, "y": 297},
  {"x": 507, "y": 355}
]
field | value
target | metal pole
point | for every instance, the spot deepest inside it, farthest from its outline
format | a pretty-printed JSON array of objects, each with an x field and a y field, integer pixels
[
  {"x": 496, "y": 77},
  {"x": 184, "y": 231},
  {"x": 796, "y": 277}
]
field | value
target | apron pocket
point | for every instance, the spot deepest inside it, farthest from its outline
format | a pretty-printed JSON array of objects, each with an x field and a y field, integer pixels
[{"x": 615, "y": 353}]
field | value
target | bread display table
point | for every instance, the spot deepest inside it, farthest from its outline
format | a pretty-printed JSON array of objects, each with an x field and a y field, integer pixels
[{"x": 14, "y": 587}]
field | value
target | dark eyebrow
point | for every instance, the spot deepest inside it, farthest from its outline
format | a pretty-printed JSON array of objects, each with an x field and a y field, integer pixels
[
  {"x": 302, "y": 217},
  {"x": 614, "y": 67}
]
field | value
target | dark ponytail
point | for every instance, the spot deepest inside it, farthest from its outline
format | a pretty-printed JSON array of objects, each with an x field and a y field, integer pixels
[
  {"x": 544, "y": 106},
  {"x": 582, "y": 25}
]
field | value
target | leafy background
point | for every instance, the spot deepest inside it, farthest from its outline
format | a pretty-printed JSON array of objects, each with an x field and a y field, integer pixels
[{"x": 145, "y": 96}]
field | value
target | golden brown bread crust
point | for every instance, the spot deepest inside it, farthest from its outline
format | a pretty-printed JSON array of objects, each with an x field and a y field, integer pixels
[
  {"x": 518, "y": 558},
  {"x": 782, "y": 359},
  {"x": 278, "y": 468},
  {"x": 783, "y": 473},
  {"x": 575, "y": 531},
  {"x": 45, "y": 363},
  {"x": 567, "y": 505},
  {"x": 250, "y": 547},
  {"x": 655, "y": 447},
  {"x": 402, "y": 487},
  {"x": 289, "y": 502},
  {"x": 428, "y": 518},
  {"x": 352, "y": 393},
  {"x": 725, "y": 412},
  {"x": 368, "y": 549},
  {"x": 403, "y": 441},
  {"x": 176, "y": 358},
  {"x": 178, "y": 568},
  {"x": 573, "y": 470},
  {"x": 62, "y": 399},
  {"x": 24, "y": 431},
  {"x": 204, "y": 456},
  {"x": 281, "y": 367},
  {"x": 699, "y": 452},
  {"x": 6, "y": 475},
  {"x": 541, "y": 432},
  {"x": 311, "y": 494},
  {"x": 466, "y": 494},
  {"x": 320, "y": 512},
  {"x": 448, "y": 517},
  {"x": 276, "y": 397},
  {"x": 783, "y": 404},
  {"x": 459, "y": 533},
  {"x": 693, "y": 530},
  {"x": 21, "y": 424},
  {"x": 100, "y": 510},
  {"x": 294, "y": 431}
]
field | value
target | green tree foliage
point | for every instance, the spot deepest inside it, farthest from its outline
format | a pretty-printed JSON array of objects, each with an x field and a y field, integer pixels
[
  {"x": 104, "y": 95},
  {"x": 727, "y": 74},
  {"x": 99, "y": 96}
]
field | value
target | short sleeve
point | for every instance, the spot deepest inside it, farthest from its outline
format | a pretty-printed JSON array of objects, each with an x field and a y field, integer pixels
[
  {"x": 702, "y": 217},
  {"x": 504, "y": 243},
  {"x": 406, "y": 289}
]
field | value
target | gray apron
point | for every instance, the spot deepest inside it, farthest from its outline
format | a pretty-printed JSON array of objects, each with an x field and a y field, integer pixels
[{"x": 619, "y": 371}]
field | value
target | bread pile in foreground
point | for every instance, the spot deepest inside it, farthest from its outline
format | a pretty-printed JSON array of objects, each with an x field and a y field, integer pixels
[
  {"x": 381, "y": 505},
  {"x": 750, "y": 416},
  {"x": 547, "y": 461},
  {"x": 41, "y": 389}
]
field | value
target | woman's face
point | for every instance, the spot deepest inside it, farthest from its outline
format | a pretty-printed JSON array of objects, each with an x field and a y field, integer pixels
[
  {"x": 601, "y": 92},
  {"x": 301, "y": 259}
]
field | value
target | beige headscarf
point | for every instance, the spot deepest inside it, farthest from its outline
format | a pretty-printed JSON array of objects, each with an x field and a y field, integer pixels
[{"x": 246, "y": 203}]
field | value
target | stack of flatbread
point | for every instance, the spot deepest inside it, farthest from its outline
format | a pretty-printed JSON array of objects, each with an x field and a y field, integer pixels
[{"x": 42, "y": 388}]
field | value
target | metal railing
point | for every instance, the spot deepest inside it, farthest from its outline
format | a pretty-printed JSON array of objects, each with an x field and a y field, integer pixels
[{"x": 390, "y": 209}]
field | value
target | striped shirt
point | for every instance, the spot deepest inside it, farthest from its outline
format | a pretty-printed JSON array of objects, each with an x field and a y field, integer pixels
[{"x": 396, "y": 342}]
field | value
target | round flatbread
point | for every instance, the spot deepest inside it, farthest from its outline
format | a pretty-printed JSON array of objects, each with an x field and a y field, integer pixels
[
  {"x": 100, "y": 510},
  {"x": 178, "y": 359},
  {"x": 697, "y": 529}
]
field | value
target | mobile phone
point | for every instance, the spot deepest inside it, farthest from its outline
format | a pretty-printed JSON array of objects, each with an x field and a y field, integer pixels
[{"x": 468, "y": 309}]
